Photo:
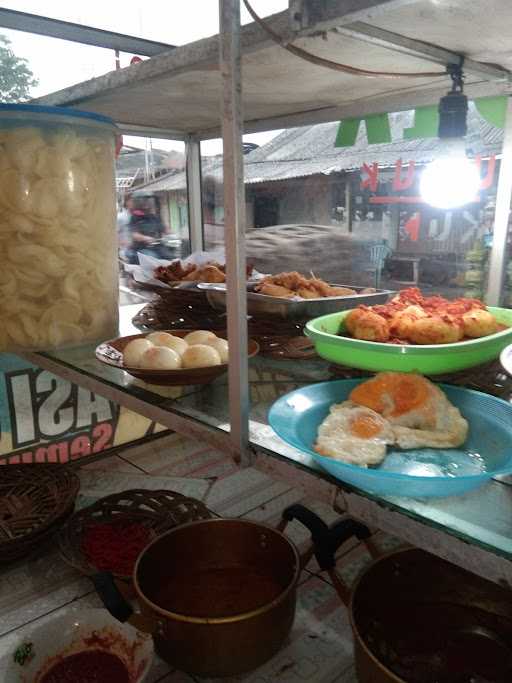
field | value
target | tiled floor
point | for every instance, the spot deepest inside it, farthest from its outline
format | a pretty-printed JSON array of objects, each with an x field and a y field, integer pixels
[{"x": 320, "y": 646}]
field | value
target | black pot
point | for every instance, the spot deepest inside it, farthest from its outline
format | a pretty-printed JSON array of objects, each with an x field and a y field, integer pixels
[{"x": 419, "y": 619}]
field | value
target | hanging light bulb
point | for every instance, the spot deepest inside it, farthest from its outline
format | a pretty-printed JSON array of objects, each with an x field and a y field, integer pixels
[{"x": 452, "y": 180}]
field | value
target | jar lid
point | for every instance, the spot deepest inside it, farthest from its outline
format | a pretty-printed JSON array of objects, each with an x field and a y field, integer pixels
[{"x": 59, "y": 111}]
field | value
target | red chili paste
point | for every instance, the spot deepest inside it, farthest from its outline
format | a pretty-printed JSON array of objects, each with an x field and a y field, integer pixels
[
  {"x": 90, "y": 666},
  {"x": 433, "y": 305},
  {"x": 115, "y": 546}
]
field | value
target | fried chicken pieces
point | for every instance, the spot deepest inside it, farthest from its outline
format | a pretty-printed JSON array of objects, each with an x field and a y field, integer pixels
[
  {"x": 177, "y": 271},
  {"x": 413, "y": 318},
  {"x": 289, "y": 285}
]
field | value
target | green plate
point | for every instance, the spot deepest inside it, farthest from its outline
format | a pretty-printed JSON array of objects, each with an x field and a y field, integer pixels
[{"x": 428, "y": 359}]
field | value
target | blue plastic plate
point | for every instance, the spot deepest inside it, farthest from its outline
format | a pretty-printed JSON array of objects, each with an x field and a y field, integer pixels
[{"x": 425, "y": 472}]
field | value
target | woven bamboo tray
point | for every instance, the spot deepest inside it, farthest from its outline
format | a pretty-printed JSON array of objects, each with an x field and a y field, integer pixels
[
  {"x": 158, "y": 510},
  {"x": 189, "y": 309},
  {"x": 34, "y": 500},
  {"x": 283, "y": 339},
  {"x": 179, "y": 309}
]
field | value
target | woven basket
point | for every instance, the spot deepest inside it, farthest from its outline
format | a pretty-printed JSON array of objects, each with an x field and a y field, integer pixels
[
  {"x": 159, "y": 511},
  {"x": 34, "y": 500}
]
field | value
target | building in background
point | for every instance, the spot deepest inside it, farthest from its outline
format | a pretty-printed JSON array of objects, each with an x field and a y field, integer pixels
[{"x": 357, "y": 197}]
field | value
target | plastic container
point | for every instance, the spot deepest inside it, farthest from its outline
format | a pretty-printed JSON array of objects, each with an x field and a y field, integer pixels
[
  {"x": 428, "y": 359},
  {"x": 417, "y": 473},
  {"x": 58, "y": 237}
]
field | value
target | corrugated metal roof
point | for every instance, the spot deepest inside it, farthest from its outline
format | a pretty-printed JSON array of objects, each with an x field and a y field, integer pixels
[
  {"x": 166, "y": 183},
  {"x": 178, "y": 181},
  {"x": 131, "y": 158},
  {"x": 310, "y": 150}
]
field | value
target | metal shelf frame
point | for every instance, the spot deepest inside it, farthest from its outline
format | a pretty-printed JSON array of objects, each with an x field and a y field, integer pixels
[
  {"x": 306, "y": 20},
  {"x": 78, "y": 33}
]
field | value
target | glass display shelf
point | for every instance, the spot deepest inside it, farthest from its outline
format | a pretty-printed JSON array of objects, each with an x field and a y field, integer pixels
[{"x": 482, "y": 518}]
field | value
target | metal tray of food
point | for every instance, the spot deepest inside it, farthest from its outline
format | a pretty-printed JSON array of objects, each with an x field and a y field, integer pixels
[{"x": 262, "y": 305}]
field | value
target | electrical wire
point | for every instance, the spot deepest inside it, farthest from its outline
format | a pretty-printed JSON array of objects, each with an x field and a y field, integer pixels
[{"x": 327, "y": 63}]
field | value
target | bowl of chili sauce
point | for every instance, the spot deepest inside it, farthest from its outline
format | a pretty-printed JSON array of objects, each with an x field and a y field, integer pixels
[{"x": 86, "y": 646}]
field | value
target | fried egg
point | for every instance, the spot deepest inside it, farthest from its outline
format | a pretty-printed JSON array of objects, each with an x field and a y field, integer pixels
[
  {"x": 393, "y": 408},
  {"x": 354, "y": 434},
  {"x": 418, "y": 412}
]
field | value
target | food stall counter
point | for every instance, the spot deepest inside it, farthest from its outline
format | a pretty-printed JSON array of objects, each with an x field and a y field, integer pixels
[{"x": 473, "y": 530}]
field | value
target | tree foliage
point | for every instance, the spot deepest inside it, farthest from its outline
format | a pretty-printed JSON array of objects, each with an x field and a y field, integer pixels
[{"x": 16, "y": 77}]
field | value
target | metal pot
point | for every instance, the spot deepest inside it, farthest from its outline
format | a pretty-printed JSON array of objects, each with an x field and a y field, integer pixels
[
  {"x": 218, "y": 595},
  {"x": 415, "y": 617},
  {"x": 418, "y": 619}
]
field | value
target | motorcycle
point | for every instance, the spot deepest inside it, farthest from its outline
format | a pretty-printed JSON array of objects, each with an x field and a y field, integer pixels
[{"x": 168, "y": 248}]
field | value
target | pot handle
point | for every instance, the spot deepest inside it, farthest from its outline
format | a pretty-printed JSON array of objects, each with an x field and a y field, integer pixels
[
  {"x": 325, "y": 540},
  {"x": 114, "y": 601}
]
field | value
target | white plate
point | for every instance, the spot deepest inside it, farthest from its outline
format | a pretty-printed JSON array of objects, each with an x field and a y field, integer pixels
[
  {"x": 65, "y": 635},
  {"x": 506, "y": 359}
]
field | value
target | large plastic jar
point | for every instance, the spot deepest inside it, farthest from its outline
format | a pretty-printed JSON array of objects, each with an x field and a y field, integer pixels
[{"x": 58, "y": 238}]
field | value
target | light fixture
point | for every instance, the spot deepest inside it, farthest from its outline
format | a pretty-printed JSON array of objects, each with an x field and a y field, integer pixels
[{"x": 452, "y": 180}]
